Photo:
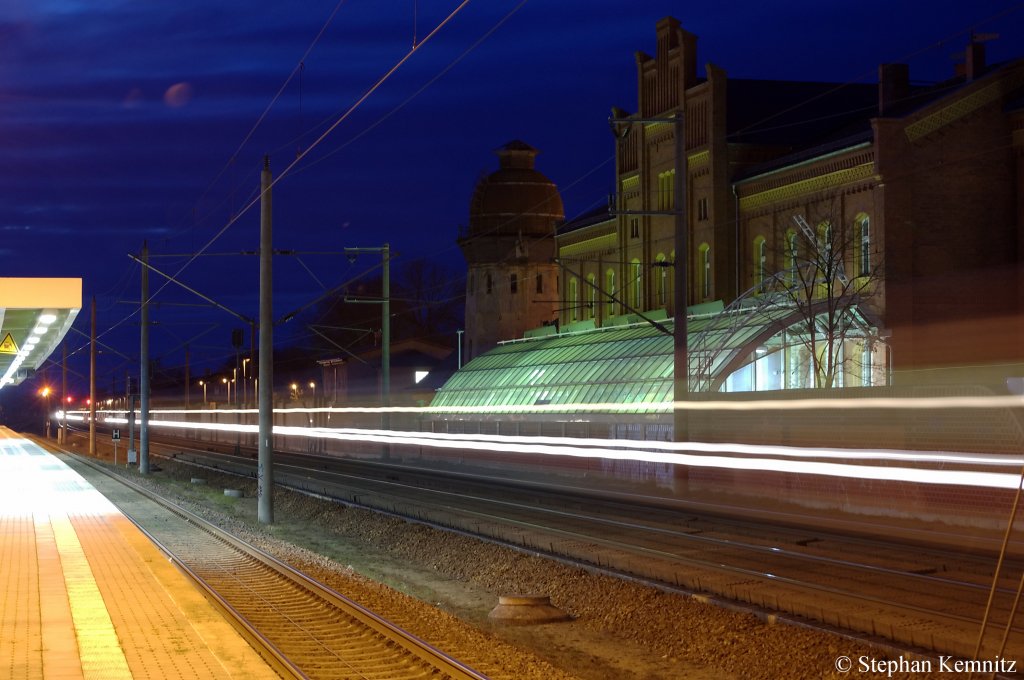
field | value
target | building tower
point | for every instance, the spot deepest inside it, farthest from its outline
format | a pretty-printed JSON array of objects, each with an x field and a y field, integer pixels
[{"x": 509, "y": 246}]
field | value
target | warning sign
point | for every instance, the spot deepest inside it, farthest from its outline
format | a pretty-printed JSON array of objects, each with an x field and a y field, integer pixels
[{"x": 8, "y": 346}]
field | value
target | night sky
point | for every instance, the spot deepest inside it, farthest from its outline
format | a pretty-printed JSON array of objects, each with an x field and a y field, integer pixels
[{"x": 125, "y": 120}]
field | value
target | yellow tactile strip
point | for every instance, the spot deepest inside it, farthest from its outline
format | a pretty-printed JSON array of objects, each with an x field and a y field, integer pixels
[
  {"x": 59, "y": 652},
  {"x": 87, "y": 595},
  {"x": 98, "y": 646},
  {"x": 160, "y": 641}
]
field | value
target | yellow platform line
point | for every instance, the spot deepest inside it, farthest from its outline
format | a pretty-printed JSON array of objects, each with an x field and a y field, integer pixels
[
  {"x": 59, "y": 650},
  {"x": 99, "y": 649}
]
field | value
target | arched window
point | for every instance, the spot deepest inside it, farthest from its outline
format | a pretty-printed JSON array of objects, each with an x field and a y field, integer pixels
[
  {"x": 574, "y": 299},
  {"x": 540, "y": 282},
  {"x": 661, "y": 272},
  {"x": 591, "y": 296},
  {"x": 667, "y": 190},
  {"x": 791, "y": 256},
  {"x": 863, "y": 226},
  {"x": 671, "y": 271},
  {"x": 704, "y": 271},
  {"x": 636, "y": 280},
  {"x": 760, "y": 262},
  {"x": 609, "y": 287},
  {"x": 825, "y": 240}
]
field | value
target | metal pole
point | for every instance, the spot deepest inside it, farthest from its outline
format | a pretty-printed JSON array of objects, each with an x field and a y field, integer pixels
[
  {"x": 265, "y": 470},
  {"x": 64, "y": 396},
  {"x": 144, "y": 368},
  {"x": 385, "y": 350},
  {"x": 681, "y": 360},
  {"x": 188, "y": 384},
  {"x": 131, "y": 422},
  {"x": 92, "y": 382},
  {"x": 459, "y": 334}
]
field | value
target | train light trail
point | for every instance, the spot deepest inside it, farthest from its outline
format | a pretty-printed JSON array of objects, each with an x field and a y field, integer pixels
[{"x": 788, "y": 460}]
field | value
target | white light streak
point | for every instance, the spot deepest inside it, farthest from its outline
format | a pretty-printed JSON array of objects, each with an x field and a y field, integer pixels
[
  {"x": 695, "y": 454},
  {"x": 881, "y": 403}
]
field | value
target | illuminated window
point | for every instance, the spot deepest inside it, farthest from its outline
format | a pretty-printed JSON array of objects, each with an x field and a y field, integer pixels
[
  {"x": 864, "y": 243},
  {"x": 825, "y": 239},
  {"x": 666, "y": 190},
  {"x": 637, "y": 281},
  {"x": 865, "y": 365},
  {"x": 591, "y": 295},
  {"x": 791, "y": 255},
  {"x": 662, "y": 274},
  {"x": 609, "y": 286},
  {"x": 574, "y": 299},
  {"x": 760, "y": 262},
  {"x": 704, "y": 271}
]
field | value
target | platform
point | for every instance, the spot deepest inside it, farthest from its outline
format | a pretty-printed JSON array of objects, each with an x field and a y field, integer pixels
[{"x": 85, "y": 594}]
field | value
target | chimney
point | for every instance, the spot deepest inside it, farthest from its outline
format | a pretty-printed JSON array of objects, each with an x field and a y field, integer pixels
[
  {"x": 893, "y": 86},
  {"x": 974, "y": 56}
]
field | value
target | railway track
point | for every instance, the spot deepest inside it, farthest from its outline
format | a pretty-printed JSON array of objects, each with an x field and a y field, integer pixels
[
  {"x": 302, "y": 628},
  {"x": 911, "y": 595}
]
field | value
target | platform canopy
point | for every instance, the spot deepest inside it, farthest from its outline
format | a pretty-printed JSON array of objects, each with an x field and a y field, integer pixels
[{"x": 35, "y": 315}]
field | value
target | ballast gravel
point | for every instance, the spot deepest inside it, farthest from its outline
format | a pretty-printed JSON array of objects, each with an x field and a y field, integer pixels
[{"x": 441, "y": 587}]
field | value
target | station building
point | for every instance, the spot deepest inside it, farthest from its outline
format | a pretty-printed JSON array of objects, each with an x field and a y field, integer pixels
[{"x": 837, "y": 235}]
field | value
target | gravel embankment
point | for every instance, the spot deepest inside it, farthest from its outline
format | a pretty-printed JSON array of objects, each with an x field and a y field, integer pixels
[{"x": 444, "y": 585}]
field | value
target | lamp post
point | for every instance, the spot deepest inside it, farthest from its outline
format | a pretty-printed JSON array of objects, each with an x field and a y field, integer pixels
[
  {"x": 203, "y": 384},
  {"x": 227, "y": 385},
  {"x": 45, "y": 393},
  {"x": 621, "y": 124}
]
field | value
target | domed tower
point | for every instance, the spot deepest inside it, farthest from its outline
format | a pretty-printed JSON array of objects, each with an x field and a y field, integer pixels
[{"x": 512, "y": 283}]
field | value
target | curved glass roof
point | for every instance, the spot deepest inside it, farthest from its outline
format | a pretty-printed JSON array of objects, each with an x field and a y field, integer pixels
[
  {"x": 626, "y": 368},
  {"x": 630, "y": 366}
]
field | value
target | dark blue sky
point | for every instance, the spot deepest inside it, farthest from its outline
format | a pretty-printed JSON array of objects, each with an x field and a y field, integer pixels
[{"x": 123, "y": 121}]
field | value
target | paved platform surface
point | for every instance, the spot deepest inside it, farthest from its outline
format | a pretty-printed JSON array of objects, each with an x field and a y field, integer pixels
[{"x": 85, "y": 594}]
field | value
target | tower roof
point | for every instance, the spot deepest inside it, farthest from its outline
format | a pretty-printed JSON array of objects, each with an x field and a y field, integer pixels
[{"x": 516, "y": 199}]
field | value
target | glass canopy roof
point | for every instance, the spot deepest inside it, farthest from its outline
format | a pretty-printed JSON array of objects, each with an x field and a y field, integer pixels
[{"x": 625, "y": 368}]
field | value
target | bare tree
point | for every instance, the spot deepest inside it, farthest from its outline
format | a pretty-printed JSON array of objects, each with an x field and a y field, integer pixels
[{"x": 831, "y": 277}]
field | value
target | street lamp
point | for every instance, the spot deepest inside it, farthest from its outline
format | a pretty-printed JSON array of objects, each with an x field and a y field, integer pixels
[
  {"x": 312, "y": 388},
  {"x": 45, "y": 393},
  {"x": 227, "y": 384},
  {"x": 203, "y": 383}
]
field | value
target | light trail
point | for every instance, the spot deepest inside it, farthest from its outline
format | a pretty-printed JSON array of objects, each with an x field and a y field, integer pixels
[
  {"x": 693, "y": 454},
  {"x": 887, "y": 403}
]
